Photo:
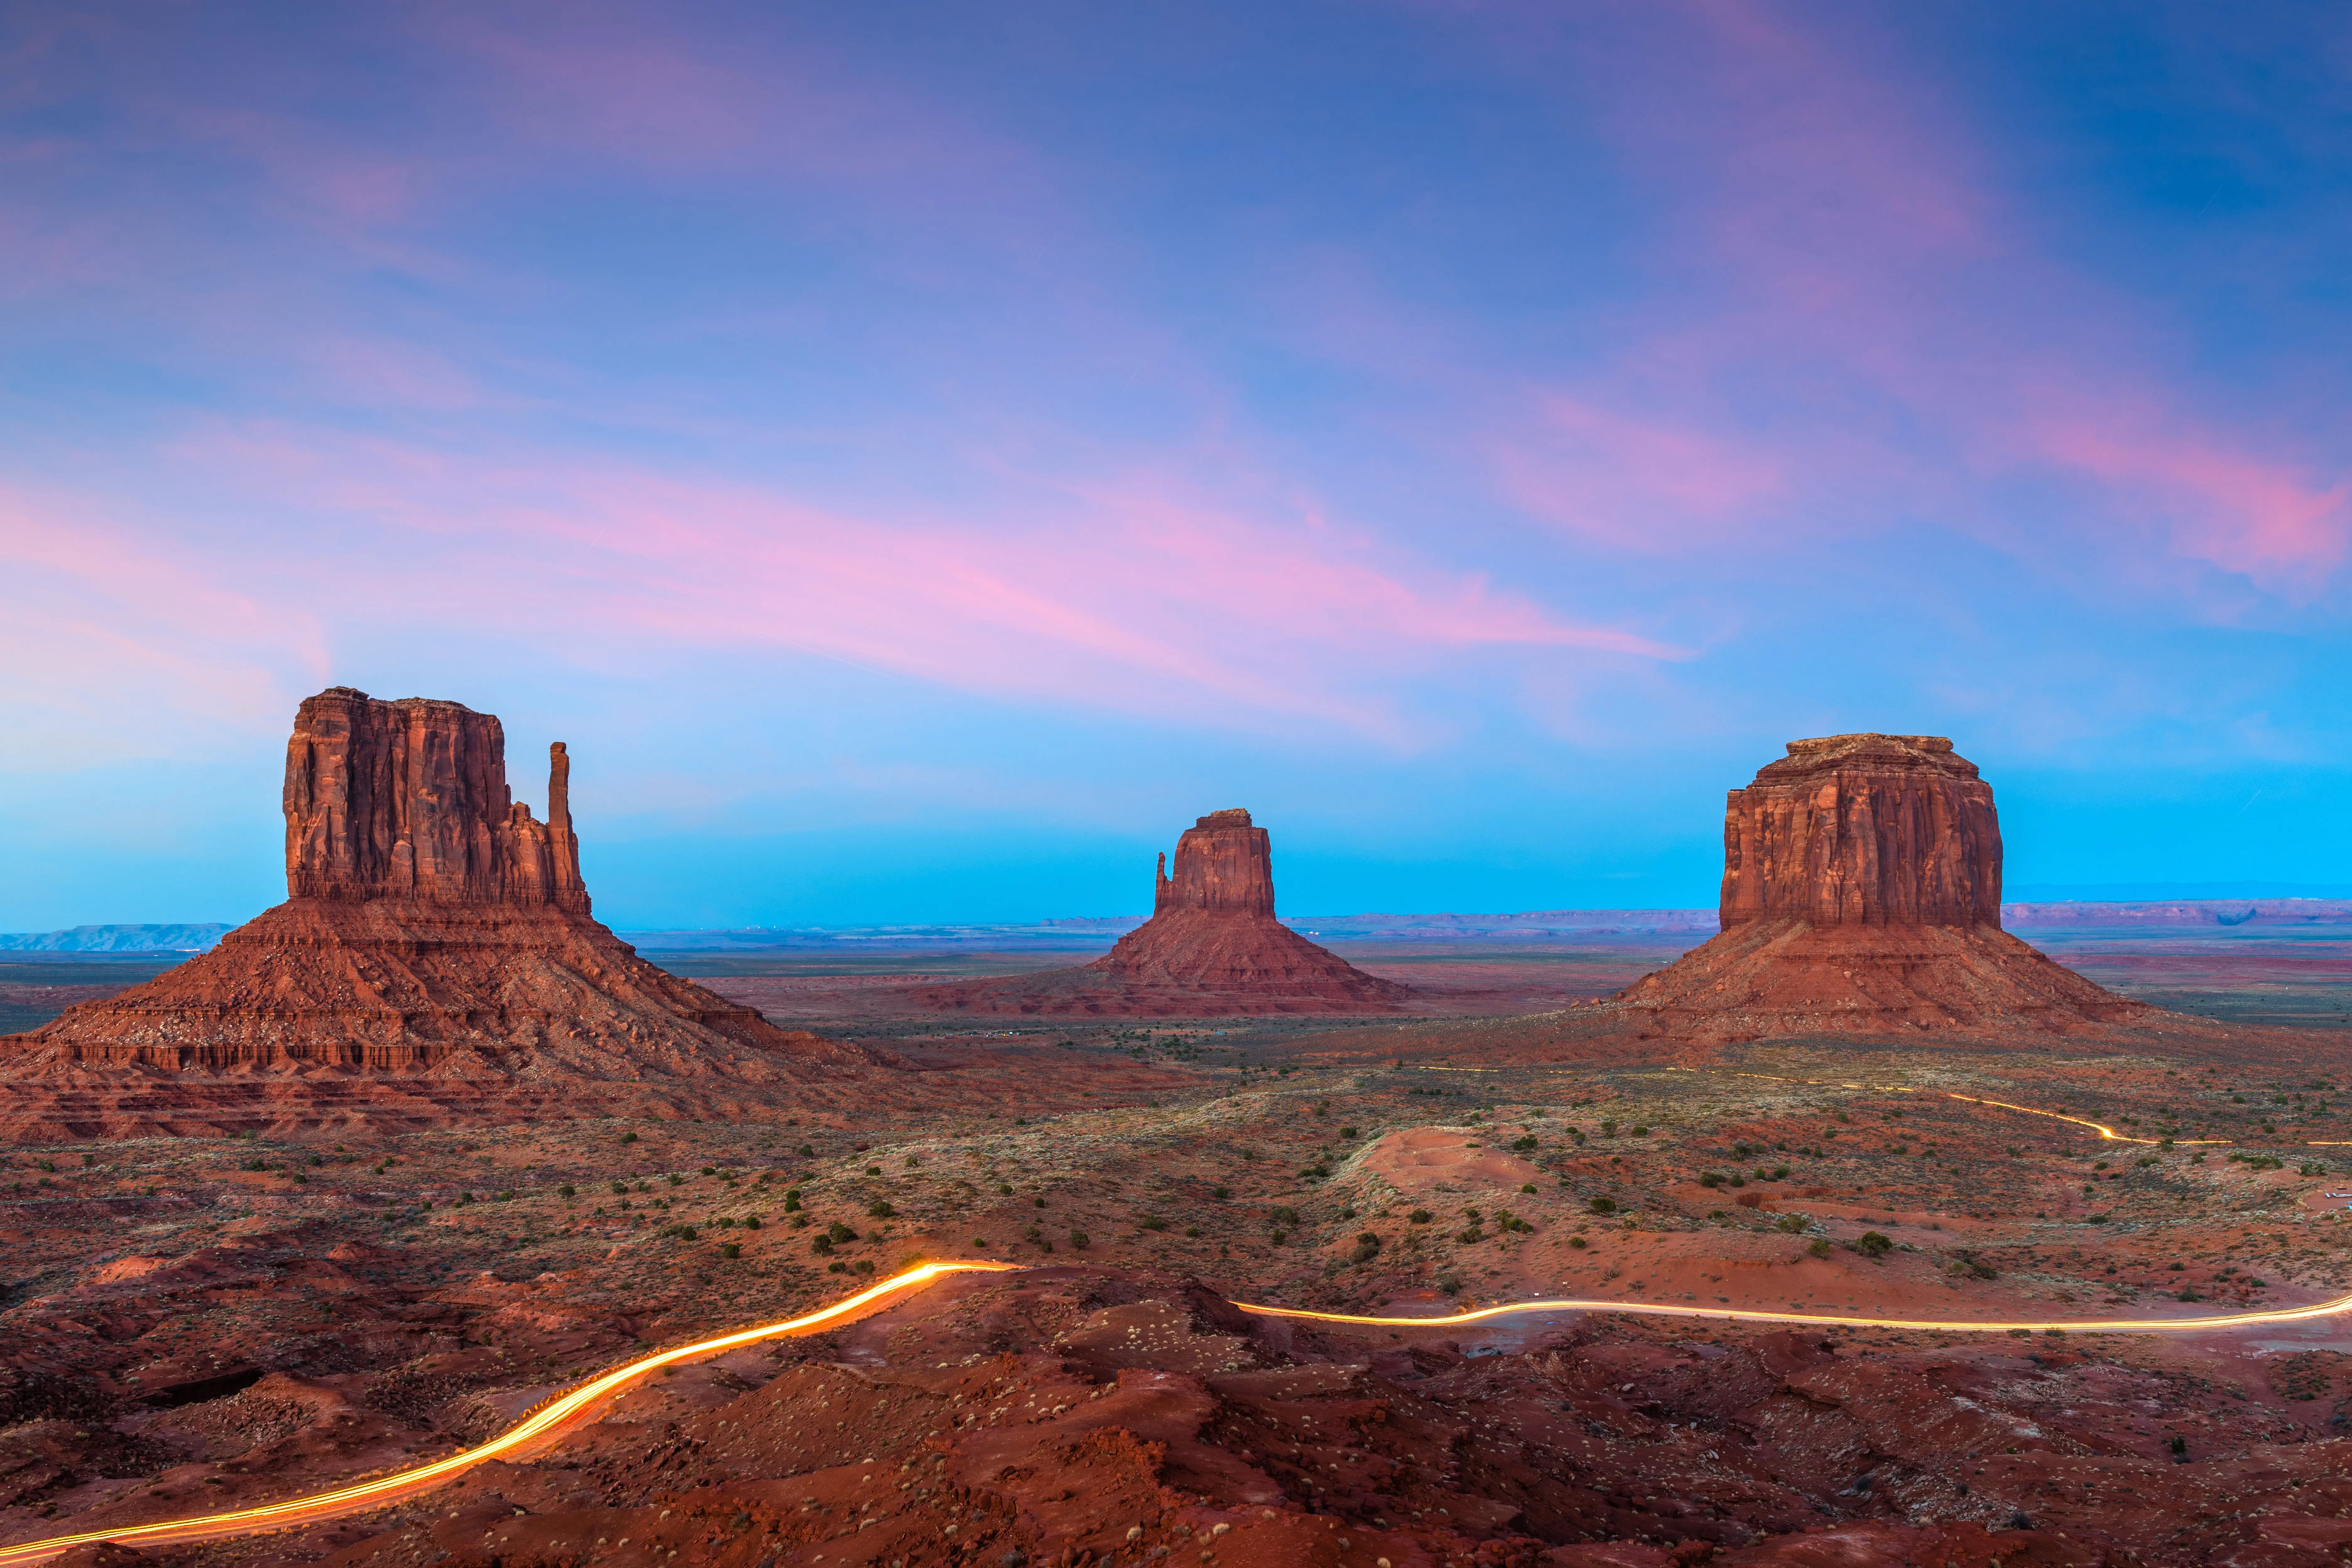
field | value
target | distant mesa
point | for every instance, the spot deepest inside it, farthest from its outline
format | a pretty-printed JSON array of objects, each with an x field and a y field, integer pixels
[
  {"x": 1212, "y": 948},
  {"x": 433, "y": 927},
  {"x": 116, "y": 939},
  {"x": 1861, "y": 894}
]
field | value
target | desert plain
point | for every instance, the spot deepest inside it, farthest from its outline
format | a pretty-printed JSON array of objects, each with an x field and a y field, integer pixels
[
  {"x": 204, "y": 1323},
  {"x": 1835, "y": 1239}
]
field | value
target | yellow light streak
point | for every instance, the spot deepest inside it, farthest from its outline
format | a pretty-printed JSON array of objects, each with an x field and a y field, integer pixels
[
  {"x": 545, "y": 1421},
  {"x": 2101, "y": 1128},
  {"x": 1825, "y": 1320},
  {"x": 565, "y": 1409}
]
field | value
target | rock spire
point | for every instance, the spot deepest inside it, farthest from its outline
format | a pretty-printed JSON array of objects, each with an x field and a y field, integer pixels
[{"x": 1212, "y": 948}]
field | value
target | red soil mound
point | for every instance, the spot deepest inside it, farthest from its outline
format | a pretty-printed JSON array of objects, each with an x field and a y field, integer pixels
[
  {"x": 435, "y": 932},
  {"x": 1210, "y": 949},
  {"x": 1861, "y": 895}
]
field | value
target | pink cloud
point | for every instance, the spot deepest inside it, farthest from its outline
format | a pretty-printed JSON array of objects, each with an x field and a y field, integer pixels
[
  {"x": 1863, "y": 318},
  {"x": 101, "y": 610},
  {"x": 2276, "y": 525},
  {"x": 1132, "y": 594},
  {"x": 1635, "y": 483}
]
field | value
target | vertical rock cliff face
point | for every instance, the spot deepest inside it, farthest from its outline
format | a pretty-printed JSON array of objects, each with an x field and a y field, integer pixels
[
  {"x": 1861, "y": 895},
  {"x": 410, "y": 799},
  {"x": 1212, "y": 948},
  {"x": 1223, "y": 863},
  {"x": 432, "y": 927},
  {"x": 1863, "y": 830}
]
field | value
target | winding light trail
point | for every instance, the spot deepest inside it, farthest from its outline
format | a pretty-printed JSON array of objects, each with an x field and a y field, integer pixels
[
  {"x": 571, "y": 1409},
  {"x": 2101, "y": 1128},
  {"x": 549, "y": 1418}
]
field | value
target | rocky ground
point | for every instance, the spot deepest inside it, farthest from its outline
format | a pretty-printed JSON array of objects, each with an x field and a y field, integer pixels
[{"x": 197, "y": 1322}]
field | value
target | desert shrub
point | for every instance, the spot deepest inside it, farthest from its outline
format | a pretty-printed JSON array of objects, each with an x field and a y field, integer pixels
[
  {"x": 628, "y": 1137},
  {"x": 731, "y": 1249},
  {"x": 1710, "y": 1178},
  {"x": 821, "y": 1244},
  {"x": 1284, "y": 1215},
  {"x": 1347, "y": 1132},
  {"x": 840, "y": 1231},
  {"x": 1150, "y": 1222},
  {"x": 750, "y": 1222},
  {"x": 1078, "y": 1240},
  {"x": 1524, "y": 1143},
  {"x": 1220, "y": 1193},
  {"x": 1819, "y": 1248},
  {"x": 620, "y": 1188},
  {"x": 1871, "y": 1244},
  {"x": 1368, "y": 1247},
  {"x": 792, "y": 1200},
  {"x": 1470, "y": 1232},
  {"x": 880, "y": 1208},
  {"x": 1791, "y": 1223},
  {"x": 1527, "y": 1186},
  {"x": 1602, "y": 1205},
  {"x": 1577, "y": 1242},
  {"x": 1421, "y": 1217},
  {"x": 1192, "y": 1231}
]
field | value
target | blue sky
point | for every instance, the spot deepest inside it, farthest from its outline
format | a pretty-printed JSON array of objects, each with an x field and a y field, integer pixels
[{"x": 920, "y": 457}]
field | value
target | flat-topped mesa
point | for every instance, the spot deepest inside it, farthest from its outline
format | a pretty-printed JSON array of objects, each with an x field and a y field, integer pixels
[
  {"x": 1222, "y": 863},
  {"x": 1862, "y": 896},
  {"x": 409, "y": 799},
  {"x": 1863, "y": 830}
]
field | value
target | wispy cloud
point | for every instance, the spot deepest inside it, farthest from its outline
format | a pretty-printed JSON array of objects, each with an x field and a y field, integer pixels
[{"x": 1133, "y": 592}]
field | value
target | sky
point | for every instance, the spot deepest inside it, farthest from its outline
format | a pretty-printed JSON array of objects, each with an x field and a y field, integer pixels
[{"x": 922, "y": 455}]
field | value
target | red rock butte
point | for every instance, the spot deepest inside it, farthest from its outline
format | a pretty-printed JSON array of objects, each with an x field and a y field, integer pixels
[
  {"x": 1212, "y": 948},
  {"x": 1861, "y": 895},
  {"x": 433, "y": 931}
]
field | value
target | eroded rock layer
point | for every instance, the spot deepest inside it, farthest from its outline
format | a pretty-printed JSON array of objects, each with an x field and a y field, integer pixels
[
  {"x": 434, "y": 930},
  {"x": 1212, "y": 948},
  {"x": 1861, "y": 895},
  {"x": 1863, "y": 830}
]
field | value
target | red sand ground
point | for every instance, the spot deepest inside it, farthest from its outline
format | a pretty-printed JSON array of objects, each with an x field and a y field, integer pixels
[{"x": 201, "y": 1319}]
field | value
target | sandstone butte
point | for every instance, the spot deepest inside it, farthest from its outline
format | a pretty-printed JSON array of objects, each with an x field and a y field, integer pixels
[
  {"x": 1861, "y": 895},
  {"x": 1212, "y": 948},
  {"x": 435, "y": 944}
]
